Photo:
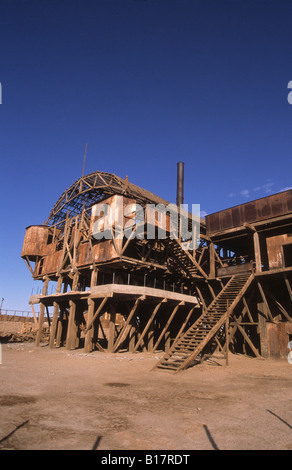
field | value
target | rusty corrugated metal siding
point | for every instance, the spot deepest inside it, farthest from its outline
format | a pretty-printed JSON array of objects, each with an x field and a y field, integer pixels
[{"x": 250, "y": 212}]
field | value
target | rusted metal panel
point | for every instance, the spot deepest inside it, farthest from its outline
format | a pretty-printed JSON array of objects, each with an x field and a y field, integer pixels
[
  {"x": 119, "y": 212},
  {"x": 131, "y": 213},
  {"x": 265, "y": 208},
  {"x": 35, "y": 241},
  {"x": 104, "y": 251},
  {"x": 278, "y": 338},
  {"x": 84, "y": 255},
  {"x": 275, "y": 253},
  {"x": 51, "y": 263}
]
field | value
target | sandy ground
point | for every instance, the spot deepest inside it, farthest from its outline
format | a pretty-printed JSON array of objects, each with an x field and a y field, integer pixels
[{"x": 54, "y": 399}]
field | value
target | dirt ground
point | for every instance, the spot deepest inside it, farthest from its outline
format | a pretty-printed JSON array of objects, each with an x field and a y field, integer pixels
[{"x": 54, "y": 399}]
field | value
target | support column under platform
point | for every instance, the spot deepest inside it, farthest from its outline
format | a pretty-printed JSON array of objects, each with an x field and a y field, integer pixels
[{"x": 118, "y": 317}]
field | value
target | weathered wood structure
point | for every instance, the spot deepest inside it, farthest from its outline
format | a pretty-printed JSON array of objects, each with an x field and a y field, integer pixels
[{"x": 116, "y": 288}]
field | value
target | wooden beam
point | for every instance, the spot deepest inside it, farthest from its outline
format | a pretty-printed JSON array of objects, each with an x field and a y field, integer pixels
[
  {"x": 265, "y": 300},
  {"x": 201, "y": 298},
  {"x": 240, "y": 317},
  {"x": 247, "y": 309},
  {"x": 167, "y": 325},
  {"x": 112, "y": 330},
  {"x": 257, "y": 252},
  {"x": 98, "y": 311},
  {"x": 227, "y": 340},
  {"x": 285, "y": 313},
  {"x": 212, "y": 260},
  {"x": 127, "y": 326},
  {"x": 248, "y": 340},
  {"x": 54, "y": 325},
  {"x": 89, "y": 332},
  {"x": 192, "y": 259},
  {"x": 34, "y": 315},
  {"x": 60, "y": 327},
  {"x": 26, "y": 260},
  {"x": 287, "y": 282},
  {"x": 183, "y": 325},
  {"x": 55, "y": 314},
  {"x": 128, "y": 240},
  {"x": 149, "y": 323},
  {"x": 72, "y": 328},
  {"x": 42, "y": 313}
]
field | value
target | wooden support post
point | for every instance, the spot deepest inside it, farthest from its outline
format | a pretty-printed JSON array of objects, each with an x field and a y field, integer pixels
[
  {"x": 34, "y": 315},
  {"x": 188, "y": 317},
  {"x": 98, "y": 311},
  {"x": 262, "y": 328},
  {"x": 72, "y": 328},
  {"x": 150, "y": 334},
  {"x": 112, "y": 329},
  {"x": 127, "y": 327},
  {"x": 227, "y": 340},
  {"x": 288, "y": 286},
  {"x": 89, "y": 333},
  {"x": 132, "y": 338},
  {"x": 75, "y": 281},
  {"x": 54, "y": 324},
  {"x": 241, "y": 329},
  {"x": 55, "y": 314},
  {"x": 167, "y": 325},
  {"x": 42, "y": 313},
  {"x": 267, "y": 307},
  {"x": 257, "y": 252},
  {"x": 60, "y": 325},
  {"x": 93, "y": 280},
  {"x": 148, "y": 324},
  {"x": 212, "y": 260},
  {"x": 201, "y": 299}
]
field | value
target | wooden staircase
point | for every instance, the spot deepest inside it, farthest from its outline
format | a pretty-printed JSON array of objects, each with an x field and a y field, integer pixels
[
  {"x": 183, "y": 259},
  {"x": 185, "y": 350}
]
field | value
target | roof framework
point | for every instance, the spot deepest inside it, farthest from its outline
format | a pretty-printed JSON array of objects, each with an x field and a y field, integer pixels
[{"x": 94, "y": 187}]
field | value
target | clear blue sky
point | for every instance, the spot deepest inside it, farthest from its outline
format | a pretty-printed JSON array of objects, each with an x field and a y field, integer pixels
[{"x": 146, "y": 83}]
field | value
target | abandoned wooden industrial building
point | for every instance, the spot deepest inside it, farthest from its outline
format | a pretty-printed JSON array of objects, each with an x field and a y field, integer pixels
[{"x": 231, "y": 292}]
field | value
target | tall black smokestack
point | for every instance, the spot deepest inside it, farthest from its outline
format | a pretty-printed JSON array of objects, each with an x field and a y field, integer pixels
[{"x": 180, "y": 184}]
